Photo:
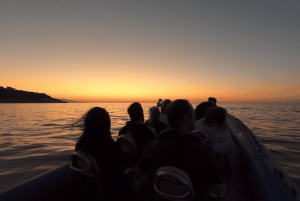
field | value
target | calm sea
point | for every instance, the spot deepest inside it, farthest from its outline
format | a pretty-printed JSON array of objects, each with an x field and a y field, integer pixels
[{"x": 32, "y": 140}]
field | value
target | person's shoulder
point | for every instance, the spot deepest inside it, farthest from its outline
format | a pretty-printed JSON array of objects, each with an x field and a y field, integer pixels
[
  {"x": 174, "y": 134},
  {"x": 199, "y": 122},
  {"x": 123, "y": 130},
  {"x": 145, "y": 127},
  {"x": 162, "y": 117},
  {"x": 142, "y": 128},
  {"x": 163, "y": 124},
  {"x": 152, "y": 129},
  {"x": 200, "y": 125},
  {"x": 201, "y": 148}
]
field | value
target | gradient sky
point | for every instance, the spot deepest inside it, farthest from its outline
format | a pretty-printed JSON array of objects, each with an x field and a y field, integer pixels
[{"x": 144, "y": 50}]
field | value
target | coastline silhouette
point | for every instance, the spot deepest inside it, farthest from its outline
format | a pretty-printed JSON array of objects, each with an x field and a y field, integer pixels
[{"x": 12, "y": 95}]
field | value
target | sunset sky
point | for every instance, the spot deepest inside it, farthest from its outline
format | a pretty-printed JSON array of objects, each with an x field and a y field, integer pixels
[{"x": 124, "y": 50}]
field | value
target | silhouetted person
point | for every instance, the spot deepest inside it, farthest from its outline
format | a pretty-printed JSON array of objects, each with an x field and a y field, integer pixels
[
  {"x": 96, "y": 141},
  {"x": 154, "y": 121},
  {"x": 159, "y": 103},
  {"x": 141, "y": 133},
  {"x": 212, "y": 99},
  {"x": 163, "y": 115},
  {"x": 215, "y": 127},
  {"x": 201, "y": 109},
  {"x": 180, "y": 148}
]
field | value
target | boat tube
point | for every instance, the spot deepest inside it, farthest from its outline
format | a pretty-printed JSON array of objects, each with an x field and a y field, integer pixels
[
  {"x": 263, "y": 177},
  {"x": 257, "y": 176}
]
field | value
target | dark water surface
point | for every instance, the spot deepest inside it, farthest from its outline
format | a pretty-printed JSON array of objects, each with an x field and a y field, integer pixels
[{"x": 32, "y": 140}]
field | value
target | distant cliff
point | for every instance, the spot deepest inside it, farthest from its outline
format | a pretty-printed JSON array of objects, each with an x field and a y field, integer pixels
[{"x": 11, "y": 95}]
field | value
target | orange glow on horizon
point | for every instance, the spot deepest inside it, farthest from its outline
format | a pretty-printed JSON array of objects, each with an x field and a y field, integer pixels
[
  {"x": 152, "y": 98},
  {"x": 127, "y": 85},
  {"x": 90, "y": 54}
]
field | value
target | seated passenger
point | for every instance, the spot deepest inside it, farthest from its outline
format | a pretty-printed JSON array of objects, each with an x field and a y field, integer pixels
[
  {"x": 163, "y": 115},
  {"x": 215, "y": 127},
  {"x": 154, "y": 121},
  {"x": 140, "y": 132},
  {"x": 202, "y": 108},
  {"x": 212, "y": 100},
  {"x": 180, "y": 148},
  {"x": 96, "y": 141}
]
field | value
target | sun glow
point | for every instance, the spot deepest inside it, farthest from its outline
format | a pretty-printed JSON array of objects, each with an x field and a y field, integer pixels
[{"x": 88, "y": 53}]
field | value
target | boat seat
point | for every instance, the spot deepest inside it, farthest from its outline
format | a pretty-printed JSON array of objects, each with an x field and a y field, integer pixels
[
  {"x": 128, "y": 142},
  {"x": 86, "y": 165},
  {"x": 174, "y": 184},
  {"x": 153, "y": 130},
  {"x": 203, "y": 136},
  {"x": 128, "y": 151}
]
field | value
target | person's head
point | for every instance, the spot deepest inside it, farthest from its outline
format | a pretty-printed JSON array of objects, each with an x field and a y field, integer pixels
[
  {"x": 154, "y": 114},
  {"x": 164, "y": 106},
  {"x": 212, "y": 99},
  {"x": 216, "y": 116},
  {"x": 202, "y": 108},
  {"x": 97, "y": 118},
  {"x": 95, "y": 124},
  {"x": 136, "y": 112},
  {"x": 180, "y": 115}
]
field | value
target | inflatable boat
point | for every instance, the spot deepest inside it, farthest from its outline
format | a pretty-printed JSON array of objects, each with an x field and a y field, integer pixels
[{"x": 256, "y": 176}]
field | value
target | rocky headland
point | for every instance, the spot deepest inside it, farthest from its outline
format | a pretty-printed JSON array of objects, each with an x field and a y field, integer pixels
[{"x": 12, "y": 95}]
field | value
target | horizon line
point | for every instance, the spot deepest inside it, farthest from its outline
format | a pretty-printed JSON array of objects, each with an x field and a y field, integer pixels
[{"x": 218, "y": 101}]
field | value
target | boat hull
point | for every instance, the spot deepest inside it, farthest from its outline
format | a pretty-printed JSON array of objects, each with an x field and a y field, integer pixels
[
  {"x": 58, "y": 184},
  {"x": 264, "y": 179}
]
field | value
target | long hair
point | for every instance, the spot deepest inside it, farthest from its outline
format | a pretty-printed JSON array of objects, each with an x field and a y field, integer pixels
[
  {"x": 154, "y": 114},
  {"x": 95, "y": 125}
]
